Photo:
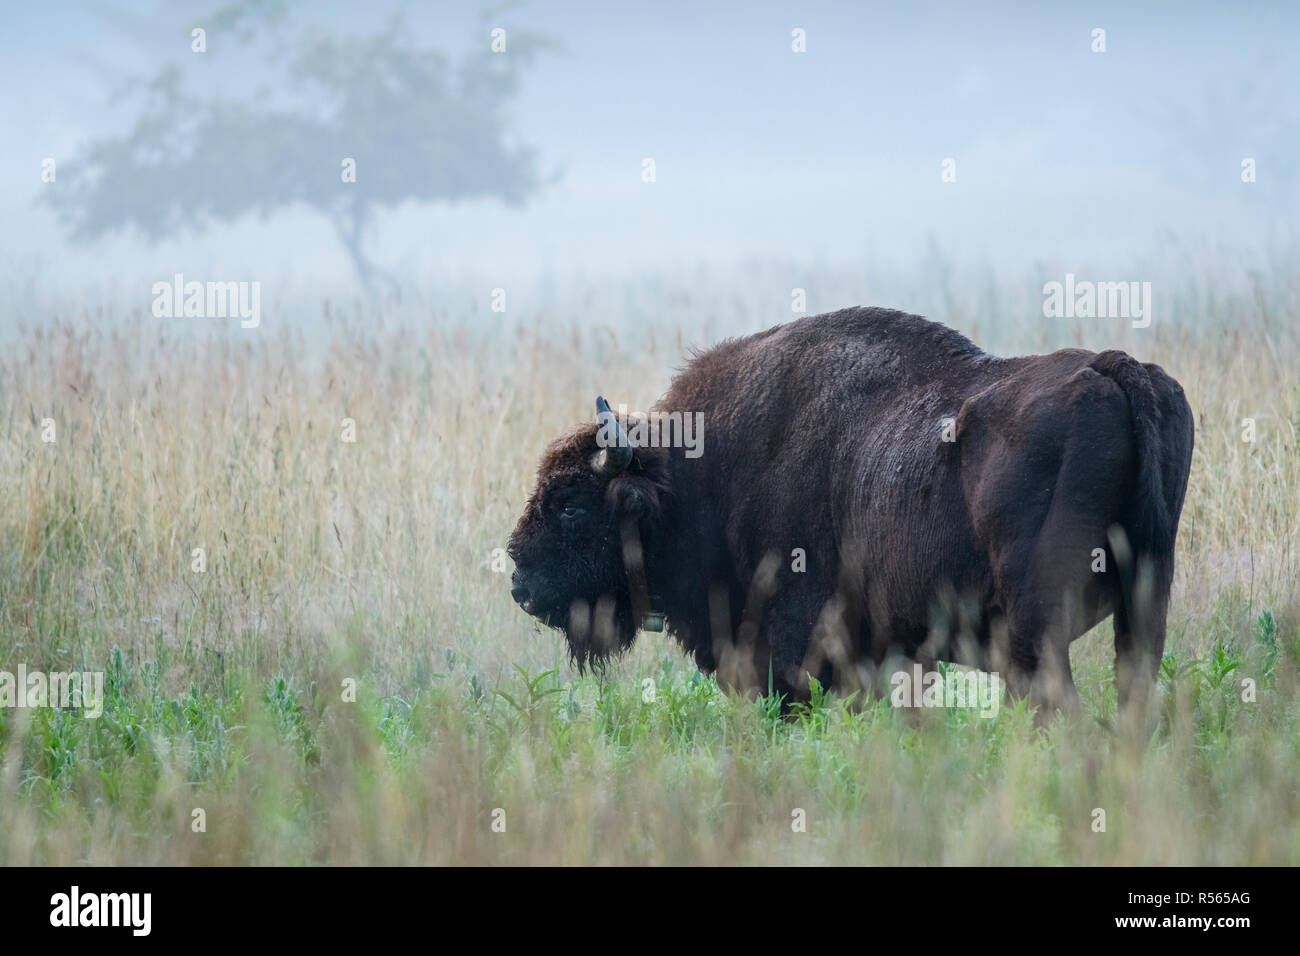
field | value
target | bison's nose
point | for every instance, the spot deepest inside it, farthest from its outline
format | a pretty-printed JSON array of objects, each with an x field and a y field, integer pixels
[{"x": 519, "y": 591}]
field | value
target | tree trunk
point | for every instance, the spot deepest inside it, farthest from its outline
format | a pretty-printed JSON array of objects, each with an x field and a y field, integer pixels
[{"x": 350, "y": 227}]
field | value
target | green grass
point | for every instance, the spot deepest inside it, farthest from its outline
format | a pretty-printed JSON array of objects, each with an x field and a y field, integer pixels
[{"x": 601, "y": 770}]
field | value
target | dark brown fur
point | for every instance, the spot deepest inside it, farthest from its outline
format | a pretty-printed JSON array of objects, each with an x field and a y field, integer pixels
[{"x": 825, "y": 434}]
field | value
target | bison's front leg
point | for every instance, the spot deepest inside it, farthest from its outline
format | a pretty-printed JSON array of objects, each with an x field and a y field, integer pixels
[
  {"x": 814, "y": 632},
  {"x": 786, "y": 633}
]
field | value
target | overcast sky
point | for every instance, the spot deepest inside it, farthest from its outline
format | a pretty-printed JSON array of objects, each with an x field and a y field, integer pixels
[{"x": 830, "y": 156}]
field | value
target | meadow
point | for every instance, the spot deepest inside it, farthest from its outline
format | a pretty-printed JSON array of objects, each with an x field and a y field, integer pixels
[{"x": 200, "y": 530}]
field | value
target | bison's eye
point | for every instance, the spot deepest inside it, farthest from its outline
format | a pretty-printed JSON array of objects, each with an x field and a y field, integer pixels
[{"x": 571, "y": 511}]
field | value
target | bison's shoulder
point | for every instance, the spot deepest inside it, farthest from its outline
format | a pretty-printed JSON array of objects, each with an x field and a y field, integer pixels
[
  {"x": 869, "y": 328},
  {"x": 850, "y": 350}
]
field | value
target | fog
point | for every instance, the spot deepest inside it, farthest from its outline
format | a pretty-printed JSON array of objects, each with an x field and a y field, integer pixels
[{"x": 829, "y": 159}]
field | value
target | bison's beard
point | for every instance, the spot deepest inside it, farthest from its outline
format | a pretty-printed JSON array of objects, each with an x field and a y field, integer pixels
[{"x": 597, "y": 631}]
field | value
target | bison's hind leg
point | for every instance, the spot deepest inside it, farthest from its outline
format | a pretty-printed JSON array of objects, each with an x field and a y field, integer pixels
[
  {"x": 1050, "y": 596},
  {"x": 1038, "y": 666},
  {"x": 1046, "y": 517},
  {"x": 1141, "y": 608}
]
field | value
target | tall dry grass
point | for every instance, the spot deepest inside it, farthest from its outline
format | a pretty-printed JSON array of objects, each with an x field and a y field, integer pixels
[{"x": 374, "y": 560}]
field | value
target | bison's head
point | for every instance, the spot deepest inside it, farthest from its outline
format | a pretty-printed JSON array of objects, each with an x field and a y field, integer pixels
[{"x": 578, "y": 547}]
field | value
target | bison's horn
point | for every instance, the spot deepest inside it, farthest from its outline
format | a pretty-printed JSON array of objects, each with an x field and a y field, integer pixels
[{"x": 613, "y": 458}]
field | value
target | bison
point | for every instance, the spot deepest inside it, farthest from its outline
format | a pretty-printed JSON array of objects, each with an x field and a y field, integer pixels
[{"x": 871, "y": 486}]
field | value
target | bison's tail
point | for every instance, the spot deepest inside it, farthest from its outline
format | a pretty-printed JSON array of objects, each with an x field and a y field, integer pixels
[
  {"x": 1151, "y": 528},
  {"x": 1163, "y": 426}
]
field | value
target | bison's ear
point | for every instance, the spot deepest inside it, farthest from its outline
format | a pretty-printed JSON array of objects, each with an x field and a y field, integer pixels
[
  {"x": 635, "y": 497},
  {"x": 642, "y": 491}
]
